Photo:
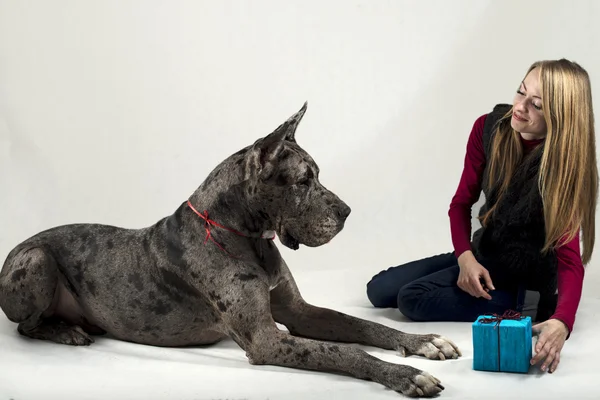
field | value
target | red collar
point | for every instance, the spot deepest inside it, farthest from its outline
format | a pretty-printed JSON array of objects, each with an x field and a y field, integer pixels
[{"x": 209, "y": 222}]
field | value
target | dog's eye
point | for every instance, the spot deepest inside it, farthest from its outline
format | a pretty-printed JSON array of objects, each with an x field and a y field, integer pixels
[{"x": 303, "y": 182}]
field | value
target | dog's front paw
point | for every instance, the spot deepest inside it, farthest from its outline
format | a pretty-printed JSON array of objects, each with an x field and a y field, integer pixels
[
  {"x": 412, "y": 382},
  {"x": 434, "y": 347}
]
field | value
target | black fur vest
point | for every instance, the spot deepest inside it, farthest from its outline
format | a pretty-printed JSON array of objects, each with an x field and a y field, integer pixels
[{"x": 510, "y": 245}]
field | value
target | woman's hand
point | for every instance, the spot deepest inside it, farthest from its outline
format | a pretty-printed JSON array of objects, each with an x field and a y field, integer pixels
[
  {"x": 471, "y": 273},
  {"x": 552, "y": 335}
]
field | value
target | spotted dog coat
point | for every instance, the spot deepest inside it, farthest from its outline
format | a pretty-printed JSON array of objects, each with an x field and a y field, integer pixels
[{"x": 210, "y": 271}]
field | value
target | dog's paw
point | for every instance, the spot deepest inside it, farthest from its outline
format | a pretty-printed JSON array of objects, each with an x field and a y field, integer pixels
[
  {"x": 73, "y": 335},
  {"x": 417, "y": 384},
  {"x": 434, "y": 347},
  {"x": 59, "y": 333},
  {"x": 76, "y": 337}
]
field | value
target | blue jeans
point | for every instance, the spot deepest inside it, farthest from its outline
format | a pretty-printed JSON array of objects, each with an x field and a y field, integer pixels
[{"x": 426, "y": 290}]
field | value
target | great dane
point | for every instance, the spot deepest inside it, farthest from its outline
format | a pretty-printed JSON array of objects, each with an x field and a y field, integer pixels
[{"x": 211, "y": 270}]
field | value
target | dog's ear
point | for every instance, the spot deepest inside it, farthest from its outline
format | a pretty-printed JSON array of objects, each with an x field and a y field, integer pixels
[
  {"x": 267, "y": 149},
  {"x": 287, "y": 130},
  {"x": 290, "y": 126}
]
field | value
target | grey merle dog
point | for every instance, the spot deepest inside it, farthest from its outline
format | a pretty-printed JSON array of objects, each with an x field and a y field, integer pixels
[{"x": 209, "y": 271}]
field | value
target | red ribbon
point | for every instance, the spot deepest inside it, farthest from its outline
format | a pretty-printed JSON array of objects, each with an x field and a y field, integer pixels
[
  {"x": 508, "y": 315},
  {"x": 207, "y": 226}
]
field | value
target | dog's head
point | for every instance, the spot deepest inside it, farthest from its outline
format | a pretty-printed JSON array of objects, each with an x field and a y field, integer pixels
[{"x": 284, "y": 185}]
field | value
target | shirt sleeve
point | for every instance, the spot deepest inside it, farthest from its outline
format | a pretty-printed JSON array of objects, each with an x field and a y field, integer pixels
[
  {"x": 570, "y": 282},
  {"x": 469, "y": 189}
]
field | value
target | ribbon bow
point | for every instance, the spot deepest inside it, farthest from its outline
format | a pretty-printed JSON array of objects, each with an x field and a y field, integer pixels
[{"x": 508, "y": 315}]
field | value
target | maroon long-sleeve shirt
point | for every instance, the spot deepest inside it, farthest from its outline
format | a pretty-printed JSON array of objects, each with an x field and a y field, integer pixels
[{"x": 570, "y": 266}]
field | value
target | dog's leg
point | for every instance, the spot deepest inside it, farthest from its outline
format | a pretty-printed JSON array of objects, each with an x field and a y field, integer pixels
[
  {"x": 303, "y": 319},
  {"x": 245, "y": 311},
  {"x": 28, "y": 286}
]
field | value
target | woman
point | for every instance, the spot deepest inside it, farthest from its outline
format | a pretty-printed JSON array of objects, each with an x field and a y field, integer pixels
[{"x": 535, "y": 162}]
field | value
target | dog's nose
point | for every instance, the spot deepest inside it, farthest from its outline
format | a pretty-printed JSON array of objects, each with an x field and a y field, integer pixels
[{"x": 343, "y": 210}]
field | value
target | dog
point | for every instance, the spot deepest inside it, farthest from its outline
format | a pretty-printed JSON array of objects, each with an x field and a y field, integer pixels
[{"x": 211, "y": 271}]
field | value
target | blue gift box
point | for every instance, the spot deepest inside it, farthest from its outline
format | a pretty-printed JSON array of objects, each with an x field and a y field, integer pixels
[{"x": 502, "y": 343}]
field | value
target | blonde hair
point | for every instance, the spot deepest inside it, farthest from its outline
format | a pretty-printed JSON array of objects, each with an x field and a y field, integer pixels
[{"x": 568, "y": 175}]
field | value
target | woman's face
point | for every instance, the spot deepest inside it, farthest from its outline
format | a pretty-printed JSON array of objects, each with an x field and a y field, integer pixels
[{"x": 528, "y": 118}]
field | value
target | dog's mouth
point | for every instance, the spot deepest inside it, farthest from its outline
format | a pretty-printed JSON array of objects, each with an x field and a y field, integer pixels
[
  {"x": 285, "y": 237},
  {"x": 289, "y": 241}
]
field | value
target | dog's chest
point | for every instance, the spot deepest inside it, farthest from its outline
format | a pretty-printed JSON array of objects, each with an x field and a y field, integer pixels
[
  {"x": 273, "y": 275},
  {"x": 270, "y": 262}
]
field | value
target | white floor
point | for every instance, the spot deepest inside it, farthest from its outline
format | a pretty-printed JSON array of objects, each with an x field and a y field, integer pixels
[{"x": 31, "y": 370}]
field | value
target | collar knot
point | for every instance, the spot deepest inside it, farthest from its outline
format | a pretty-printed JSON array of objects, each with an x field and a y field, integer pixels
[{"x": 208, "y": 223}]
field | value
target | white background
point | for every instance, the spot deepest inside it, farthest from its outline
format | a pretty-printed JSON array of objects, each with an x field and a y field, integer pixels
[{"x": 115, "y": 111}]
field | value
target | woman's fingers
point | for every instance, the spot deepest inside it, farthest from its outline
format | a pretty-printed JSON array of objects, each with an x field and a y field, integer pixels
[
  {"x": 547, "y": 348},
  {"x": 477, "y": 288},
  {"x": 555, "y": 362},
  {"x": 488, "y": 280},
  {"x": 470, "y": 282},
  {"x": 541, "y": 348},
  {"x": 550, "y": 358}
]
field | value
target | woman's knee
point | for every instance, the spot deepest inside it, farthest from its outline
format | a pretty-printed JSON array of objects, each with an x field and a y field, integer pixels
[
  {"x": 382, "y": 289},
  {"x": 379, "y": 294},
  {"x": 407, "y": 301}
]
